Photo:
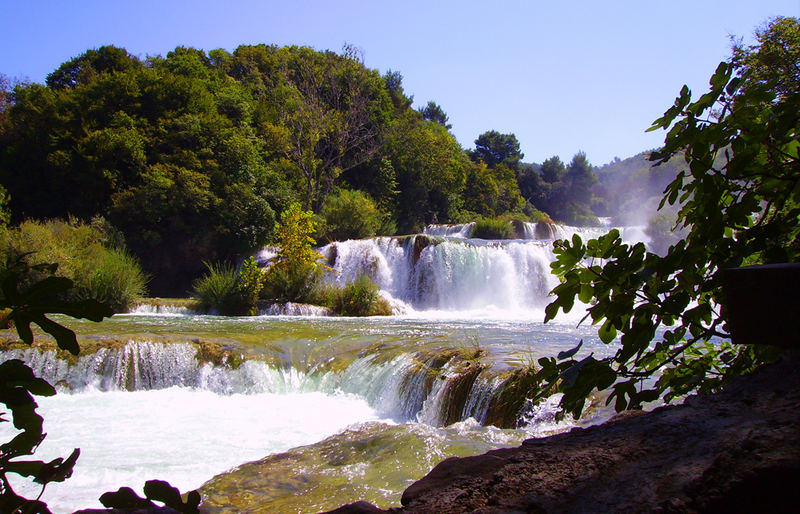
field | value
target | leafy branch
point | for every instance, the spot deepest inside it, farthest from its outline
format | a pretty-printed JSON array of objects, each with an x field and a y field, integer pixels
[{"x": 739, "y": 199}]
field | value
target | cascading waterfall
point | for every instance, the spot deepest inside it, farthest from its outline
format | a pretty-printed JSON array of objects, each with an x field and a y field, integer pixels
[
  {"x": 631, "y": 234},
  {"x": 449, "y": 275},
  {"x": 434, "y": 387},
  {"x": 461, "y": 231},
  {"x": 443, "y": 270}
]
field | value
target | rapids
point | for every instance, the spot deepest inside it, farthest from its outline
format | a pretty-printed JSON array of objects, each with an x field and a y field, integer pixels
[{"x": 338, "y": 409}]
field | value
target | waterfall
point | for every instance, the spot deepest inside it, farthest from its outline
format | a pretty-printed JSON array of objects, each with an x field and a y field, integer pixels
[
  {"x": 630, "y": 235},
  {"x": 449, "y": 275},
  {"x": 165, "y": 310},
  {"x": 437, "y": 387},
  {"x": 460, "y": 231}
]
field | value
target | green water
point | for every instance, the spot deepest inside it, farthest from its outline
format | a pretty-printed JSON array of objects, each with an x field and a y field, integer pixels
[
  {"x": 305, "y": 341},
  {"x": 374, "y": 461}
]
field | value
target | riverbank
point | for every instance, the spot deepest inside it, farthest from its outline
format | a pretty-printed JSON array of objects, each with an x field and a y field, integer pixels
[{"x": 736, "y": 451}]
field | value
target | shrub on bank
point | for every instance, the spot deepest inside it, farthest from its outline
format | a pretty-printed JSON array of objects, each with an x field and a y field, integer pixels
[
  {"x": 492, "y": 228},
  {"x": 301, "y": 283},
  {"x": 218, "y": 290},
  {"x": 92, "y": 256}
]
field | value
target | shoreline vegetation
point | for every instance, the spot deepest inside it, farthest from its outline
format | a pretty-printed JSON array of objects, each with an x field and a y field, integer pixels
[{"x": 193, "y": 156}]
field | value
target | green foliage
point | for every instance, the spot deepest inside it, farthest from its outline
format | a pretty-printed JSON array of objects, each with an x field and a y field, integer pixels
[
  {"x": 218, "y": 290},
  {"x": 772, "y": 62},
  {"x": 430, "y": 169},
  {"x": 492, "y": 191},
  {"x": 495, "y": 148},
  {"x": 358, "y": 298},
  {"x": 5, "y": 213},
  {"x": 350, "y": 215},
  {"x": 297, "y": 276},
  {"x": 113, "y": 278},
  {"x": 563, "y": 192},
  {"x": 229, "y": 292},
  {"x": 434, "y": 112},
  {"x": 90, "y": 255},
  {"x": 492, "y": 228},
  {"x": 740, "y": 201},
  {"x": 250, "y": 282},
  {"x": 302, "y": 283},
  {"x": 295, "y": 237}
]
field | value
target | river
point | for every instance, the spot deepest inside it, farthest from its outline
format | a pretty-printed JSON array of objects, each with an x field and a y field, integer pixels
[{"x": 342, "y": 409}]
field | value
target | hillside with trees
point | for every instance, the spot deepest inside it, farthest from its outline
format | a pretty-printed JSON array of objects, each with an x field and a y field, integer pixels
[{"x": 193, "y": 156}]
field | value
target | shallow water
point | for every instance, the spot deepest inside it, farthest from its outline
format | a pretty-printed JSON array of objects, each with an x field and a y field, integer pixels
[{"x": 189, "y": 434}]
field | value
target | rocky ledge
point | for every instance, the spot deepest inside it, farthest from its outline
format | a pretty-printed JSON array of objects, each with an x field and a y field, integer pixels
[{"x": 736, "y": 451}]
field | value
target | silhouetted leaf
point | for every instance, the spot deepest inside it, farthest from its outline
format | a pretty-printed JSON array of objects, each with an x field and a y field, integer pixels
[
  {"x": 566, "y": 354},
  {"x": 125, "y": 498}
]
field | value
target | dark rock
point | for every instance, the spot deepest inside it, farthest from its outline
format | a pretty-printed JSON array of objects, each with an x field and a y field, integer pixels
[
  {"x": 763, "y": 304},
  {"x": 737, "y": 451},
  {"x": 361, "y": 507}
]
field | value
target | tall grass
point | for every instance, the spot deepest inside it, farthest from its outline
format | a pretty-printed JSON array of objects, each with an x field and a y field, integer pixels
[
  {"x": 218, "y": 289},
  {"x": 112, "y": 277},
  {"x": 98, "y": 266},
  {"x": 358, "y": 298}
]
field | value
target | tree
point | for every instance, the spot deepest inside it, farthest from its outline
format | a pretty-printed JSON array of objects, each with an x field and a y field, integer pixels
[
  {"x": 553, "y": 170},
  {"x": 433, "y": 112},
  {"x": 394, "y": 84},
  {"x": 336, "y": 111},
  {"x": 85, "y": 68},
  {"x": 739, "y": 200},
  {"x": 494, "y": 148},
  {"x": 350, "y": 215},
  {"x": 775, "y": 60},
  {"x": 580, "y": 178},
  {"x": 430, "y": 169},
  {"x": 296, "y": 275}
]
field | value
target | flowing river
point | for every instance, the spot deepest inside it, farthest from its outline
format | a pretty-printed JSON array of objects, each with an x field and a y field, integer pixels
[{"x": 323, "y": 410}]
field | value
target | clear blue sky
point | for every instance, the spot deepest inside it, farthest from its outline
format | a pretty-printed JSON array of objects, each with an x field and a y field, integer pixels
[{"x": 562, "y": 76}]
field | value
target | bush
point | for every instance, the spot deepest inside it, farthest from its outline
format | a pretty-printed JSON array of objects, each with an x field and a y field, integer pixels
[
  {"x": 297, "y": 276},
  {"x": 301, "y": 283},
  {"x": 92, "y": 256},
  {"x": 351, "y": 215},
  {"x": 358, "y": 298},
  {"x": 493, "y": 228},
  {"x": 218, "y": 290},
  {"x": 113, "y": 278}
]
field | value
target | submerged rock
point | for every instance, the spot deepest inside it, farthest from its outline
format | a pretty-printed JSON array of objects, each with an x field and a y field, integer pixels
[
  {"x": 737, "y": 451},
  {"x": 374, "y": 460}
]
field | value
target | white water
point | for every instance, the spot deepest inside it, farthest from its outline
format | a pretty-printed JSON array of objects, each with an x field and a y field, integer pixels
[
  {"x": 451, "y": 275},
  {"x": 150, "y": 410},
  {"x": 181, "y": 435},
  {"x": 461, "y": 231}
]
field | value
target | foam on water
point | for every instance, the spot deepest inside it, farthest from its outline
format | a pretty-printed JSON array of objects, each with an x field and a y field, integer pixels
[{"x": 181, "y": 435}]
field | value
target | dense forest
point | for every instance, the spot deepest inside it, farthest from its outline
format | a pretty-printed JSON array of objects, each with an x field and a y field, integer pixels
[{"x": 193, "y": 156}]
